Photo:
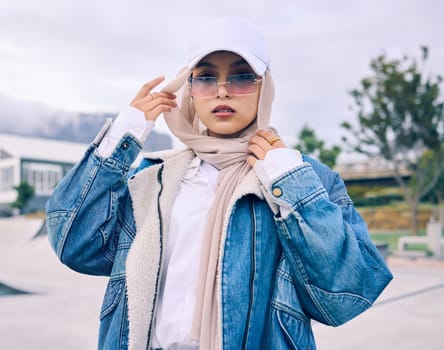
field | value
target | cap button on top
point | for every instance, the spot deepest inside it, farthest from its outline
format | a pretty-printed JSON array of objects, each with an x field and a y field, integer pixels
[{"x": 277, "y": 192}]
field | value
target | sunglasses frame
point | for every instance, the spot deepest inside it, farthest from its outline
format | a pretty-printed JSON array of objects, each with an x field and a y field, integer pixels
[{"x": 213, "y": 85}]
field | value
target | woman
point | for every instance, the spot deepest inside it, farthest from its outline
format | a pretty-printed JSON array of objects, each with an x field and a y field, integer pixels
[{"x": 235, "y": 242}]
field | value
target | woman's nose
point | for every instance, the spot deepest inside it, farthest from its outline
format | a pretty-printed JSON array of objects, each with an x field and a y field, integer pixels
[{"x": 222, "y": 90}]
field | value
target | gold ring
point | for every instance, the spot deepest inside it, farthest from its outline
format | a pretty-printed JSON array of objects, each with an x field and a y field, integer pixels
[{"x": 274, "y": 140}]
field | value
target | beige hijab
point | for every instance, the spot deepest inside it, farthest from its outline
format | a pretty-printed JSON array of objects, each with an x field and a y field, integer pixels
[{"x": 228, "y": 155}]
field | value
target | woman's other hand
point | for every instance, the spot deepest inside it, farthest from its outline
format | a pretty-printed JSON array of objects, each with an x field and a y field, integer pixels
[
  {"x": 263, "y": 141},
  {"x": 152, "y": 104}
]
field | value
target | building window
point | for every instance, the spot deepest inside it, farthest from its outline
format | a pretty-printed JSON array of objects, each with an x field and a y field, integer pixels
[
  {"x": 6, "y": 179},
  {"x": 43, "y": 177}
]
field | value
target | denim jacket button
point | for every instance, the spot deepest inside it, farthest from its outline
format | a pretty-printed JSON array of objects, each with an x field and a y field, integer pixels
[
  {"x": 277, "y": 192},
  {"x": 125, "y": 146}
]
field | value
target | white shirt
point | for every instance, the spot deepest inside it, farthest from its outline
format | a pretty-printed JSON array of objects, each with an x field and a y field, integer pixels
[
  {"x": 182, "y": 256},
  {"x": 177, "y": 293}
]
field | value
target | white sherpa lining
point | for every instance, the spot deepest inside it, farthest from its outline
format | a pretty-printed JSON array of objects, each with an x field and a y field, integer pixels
[{"x": 144, "y": 256}]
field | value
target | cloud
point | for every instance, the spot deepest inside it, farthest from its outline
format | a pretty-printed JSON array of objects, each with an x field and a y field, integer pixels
[
  {"x": 25, "y": 117},
  {"x": 94, "y": 55}
]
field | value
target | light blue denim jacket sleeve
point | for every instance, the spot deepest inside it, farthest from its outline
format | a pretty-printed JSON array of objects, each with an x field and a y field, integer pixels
[
  {"x": 92, "y": 198},
  {"x": 335, "y": 267}
]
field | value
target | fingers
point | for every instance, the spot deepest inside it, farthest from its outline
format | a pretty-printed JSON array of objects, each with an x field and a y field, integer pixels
[
  {"x": 146, "y": 88},
  {"x": 163, "y": 96},
  {"x": 155, "y": 104},
  {"x": 152, "y": 104},
  {"x": 257, "y": 151},
  {"x": 251, "y": 161},
  {"x": 261, "y": 143},
  {"x": 271, "y": 137}
]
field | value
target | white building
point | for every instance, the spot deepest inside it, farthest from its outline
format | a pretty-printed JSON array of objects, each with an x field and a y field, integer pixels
[{"x": 40, "y": 162}]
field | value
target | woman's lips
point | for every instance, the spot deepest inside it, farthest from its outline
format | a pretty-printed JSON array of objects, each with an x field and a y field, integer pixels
[{"x": 223, "y": 111}]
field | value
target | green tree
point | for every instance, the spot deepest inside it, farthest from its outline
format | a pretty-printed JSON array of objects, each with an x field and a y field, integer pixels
[
  {"x": 400, "y": 118},
  {"x": 439, "y": 191},
  {"x": 311, "y": 145},
  {"x": 433, "y": 162},
  {"x": 25, "y": 192}
]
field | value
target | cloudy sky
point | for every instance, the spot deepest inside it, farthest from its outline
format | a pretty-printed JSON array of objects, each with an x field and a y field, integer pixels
[{"x": 88, "y": 55}]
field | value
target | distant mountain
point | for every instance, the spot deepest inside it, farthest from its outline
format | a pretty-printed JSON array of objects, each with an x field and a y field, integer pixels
[{"x": 35, "y": 119}]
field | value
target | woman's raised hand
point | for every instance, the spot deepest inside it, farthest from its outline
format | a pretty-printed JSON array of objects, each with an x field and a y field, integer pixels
[
  {"x": 152, "y": 104},
  {"x": 263, "y": 141}
]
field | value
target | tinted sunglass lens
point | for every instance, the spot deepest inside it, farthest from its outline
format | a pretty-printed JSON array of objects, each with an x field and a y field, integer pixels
[
  {"x": 242, "y": 83},
  {"x": 203, "y": 86}
]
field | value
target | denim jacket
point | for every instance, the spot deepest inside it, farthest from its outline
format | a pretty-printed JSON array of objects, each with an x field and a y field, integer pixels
[{"x": 275, "y": 273}]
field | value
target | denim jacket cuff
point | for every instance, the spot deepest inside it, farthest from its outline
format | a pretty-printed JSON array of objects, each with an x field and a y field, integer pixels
[
  {"x": 297, "y": 187},
  {"x": 125, "y": 153}
]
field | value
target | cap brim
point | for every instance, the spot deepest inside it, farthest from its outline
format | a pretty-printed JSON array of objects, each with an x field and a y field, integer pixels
[{"x": 256, "y": 64}]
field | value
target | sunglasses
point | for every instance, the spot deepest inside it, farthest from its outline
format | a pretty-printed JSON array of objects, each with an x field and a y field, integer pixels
[{"x": 237, "y": 84}]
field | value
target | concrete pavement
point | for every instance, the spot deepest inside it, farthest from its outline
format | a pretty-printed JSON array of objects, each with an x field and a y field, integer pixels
[
  {"x": 62, "y": 312},
  {"x": 409, "y": 315}
]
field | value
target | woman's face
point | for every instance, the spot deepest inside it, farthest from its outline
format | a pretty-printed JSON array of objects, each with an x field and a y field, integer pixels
[{"x": 226, "y": 110}]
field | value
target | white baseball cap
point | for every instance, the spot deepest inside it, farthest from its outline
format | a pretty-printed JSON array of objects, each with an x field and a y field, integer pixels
[{"x": 234, "y": 34}]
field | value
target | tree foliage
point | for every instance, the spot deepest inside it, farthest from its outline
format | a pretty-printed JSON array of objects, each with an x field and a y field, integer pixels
[
  {"x": 400, "y": 117},
  {"x": 25, "y": 192},
  {"x": 434, "y": 163},
  {"x": 311, "y": 145}
]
